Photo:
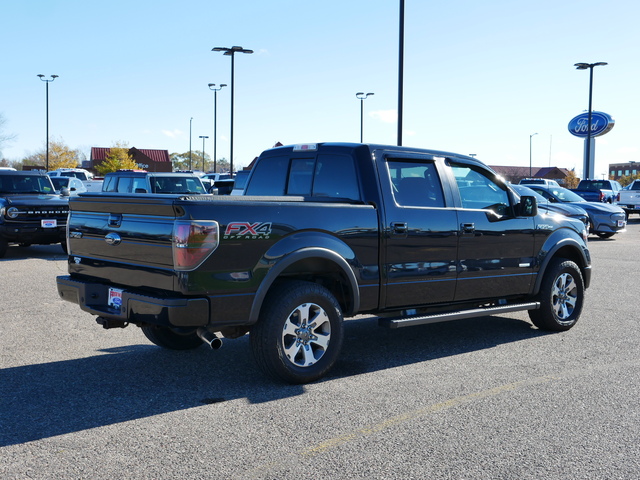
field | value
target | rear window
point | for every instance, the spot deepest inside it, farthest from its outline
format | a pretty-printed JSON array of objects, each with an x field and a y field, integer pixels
[{"x": 324, "y": 175}]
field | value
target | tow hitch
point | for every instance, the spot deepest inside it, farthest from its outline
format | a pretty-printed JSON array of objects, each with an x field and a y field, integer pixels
[{"x": 111, "y": 323}]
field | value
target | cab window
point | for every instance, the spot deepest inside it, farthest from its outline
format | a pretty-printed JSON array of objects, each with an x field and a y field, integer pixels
[
  {"x": 478, "y": 189},
  {"x": 415, "y": 184}
]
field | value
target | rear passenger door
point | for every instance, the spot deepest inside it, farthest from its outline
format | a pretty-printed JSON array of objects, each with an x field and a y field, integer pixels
[{"x": 419, "y": 233}]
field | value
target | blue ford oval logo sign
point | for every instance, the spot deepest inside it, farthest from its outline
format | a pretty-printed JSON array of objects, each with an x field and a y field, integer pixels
[
  {"x": 112, "y": 239},
  {"x": 601, "y": 123}
]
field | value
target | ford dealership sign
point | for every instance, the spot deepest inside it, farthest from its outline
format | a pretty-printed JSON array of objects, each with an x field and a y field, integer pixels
[{"x": 601, "y": 123}]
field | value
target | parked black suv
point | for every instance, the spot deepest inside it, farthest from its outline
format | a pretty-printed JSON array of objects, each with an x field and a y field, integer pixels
[{"x": 30, "y": 210}]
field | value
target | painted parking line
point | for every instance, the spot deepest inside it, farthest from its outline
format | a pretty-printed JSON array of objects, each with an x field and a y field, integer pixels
[
  {"x": 412, "y": 415},
  {"x": 361, "y": 433}
]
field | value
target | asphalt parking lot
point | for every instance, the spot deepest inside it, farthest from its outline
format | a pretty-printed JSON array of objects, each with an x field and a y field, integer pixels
[{"x": 490, "y": 398}]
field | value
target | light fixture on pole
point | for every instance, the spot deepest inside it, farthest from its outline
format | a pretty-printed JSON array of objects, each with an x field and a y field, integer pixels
[
  {"x": 212, "y": 86},
  {"x": 231, "y": 52},
  {"x": 46, "y": 155},
  {"x": 400, "y": 71},
  {"x": 530, "y": 137},
  {"x": 190, "y": 125},
  {"x": 203, "y": 138},
  {"x": 362, "y": 97},
  {"x": 587, "y": 172}
]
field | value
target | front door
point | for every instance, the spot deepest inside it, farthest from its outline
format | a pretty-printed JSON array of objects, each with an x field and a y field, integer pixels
[{"x": 496, "y": 248}]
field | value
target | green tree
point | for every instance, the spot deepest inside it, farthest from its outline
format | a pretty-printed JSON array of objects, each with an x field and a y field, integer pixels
[
  {"x": 118, "y": 158},
  {"x": 180, "y": 161}
]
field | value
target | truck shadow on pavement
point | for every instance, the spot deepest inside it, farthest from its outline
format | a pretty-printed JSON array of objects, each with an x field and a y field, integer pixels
[
  {"x": 45, "y": 252},
  {"x": 131, "y": 382}
]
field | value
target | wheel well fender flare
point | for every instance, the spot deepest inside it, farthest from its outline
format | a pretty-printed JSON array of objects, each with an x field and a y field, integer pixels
[
  {"x": 567, "y": 248},
  {"x": 302, "y": 254}
]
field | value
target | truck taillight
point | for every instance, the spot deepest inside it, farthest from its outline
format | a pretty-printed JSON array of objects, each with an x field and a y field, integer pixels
[{"x": 193, "y": 241}]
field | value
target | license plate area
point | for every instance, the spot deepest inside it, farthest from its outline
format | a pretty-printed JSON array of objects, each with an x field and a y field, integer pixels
[
  {"x": 115, "y": 298},
  {"x": 621, "y": 223},
  {"x": 49, "y": 223}
]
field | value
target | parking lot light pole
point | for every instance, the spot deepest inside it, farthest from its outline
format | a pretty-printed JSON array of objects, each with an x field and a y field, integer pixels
[
  {"x": 362, "y": 97},
  {"x": 203, "y": 137},
  {"x": 530, "y": 137},
  {"x": 190, "y": 125},
  {"x": 47, "y": 82},
  {"x": 212, "y": 86},
  {"x": 587, "y": 173},
  {"x": 231, "y": 53}
]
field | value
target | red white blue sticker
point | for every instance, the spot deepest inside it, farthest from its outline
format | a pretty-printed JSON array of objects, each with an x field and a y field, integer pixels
[
  {"x": 115, "y": 298},
  {"x": 49, "y": 223}
]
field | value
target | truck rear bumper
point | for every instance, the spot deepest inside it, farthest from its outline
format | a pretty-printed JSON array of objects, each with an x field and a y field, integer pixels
[{"x": 137, "y": 308}]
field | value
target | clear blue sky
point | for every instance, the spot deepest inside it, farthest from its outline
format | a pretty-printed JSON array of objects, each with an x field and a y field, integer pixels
[{"x": 480, "y": 77}]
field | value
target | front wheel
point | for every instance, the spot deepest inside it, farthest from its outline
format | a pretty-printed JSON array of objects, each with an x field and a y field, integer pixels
[
  {"x": 166, "y": 337},
  {"x": 561, "y": 297},
  {"x": 605, "y": 234},
  {"x": 299, "y": 334}
]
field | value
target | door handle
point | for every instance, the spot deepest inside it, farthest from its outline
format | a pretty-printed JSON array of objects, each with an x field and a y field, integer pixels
[
  {"x": 399, "y": 228},
  {"x": 468, "y": 227}
]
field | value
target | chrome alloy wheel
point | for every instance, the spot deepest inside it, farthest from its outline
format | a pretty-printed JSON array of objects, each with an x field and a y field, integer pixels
[
  {"x": 306, "y": 334},
  {"x": 564, "y": 296}
]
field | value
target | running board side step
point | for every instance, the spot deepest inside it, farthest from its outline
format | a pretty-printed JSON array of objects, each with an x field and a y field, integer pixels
[{"x": 398, "y": 322}]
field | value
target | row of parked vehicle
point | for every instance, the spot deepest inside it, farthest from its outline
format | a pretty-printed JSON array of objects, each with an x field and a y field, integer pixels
[
  {"x": 601, "y": 218},
  {"x": 34, "y": 205}
]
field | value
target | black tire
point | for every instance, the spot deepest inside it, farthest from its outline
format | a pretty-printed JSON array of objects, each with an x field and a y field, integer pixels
[
  {"x": 299, "y": 335},
  {"x": 3, "y": 247},
  {"x": 605, "y": 234},
  {"x": 561, "y": 297},
  {"x": 165, "y": 337}
]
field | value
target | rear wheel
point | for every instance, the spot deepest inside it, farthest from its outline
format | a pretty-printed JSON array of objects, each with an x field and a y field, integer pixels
[
  {"x": 561, "y": 297},
  {"x": 166, "y": 337},
  {"x": 299, "y": 334}
]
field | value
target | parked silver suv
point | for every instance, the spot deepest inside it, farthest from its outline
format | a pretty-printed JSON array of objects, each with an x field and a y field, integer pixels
[{"x": 132, "y": 181}]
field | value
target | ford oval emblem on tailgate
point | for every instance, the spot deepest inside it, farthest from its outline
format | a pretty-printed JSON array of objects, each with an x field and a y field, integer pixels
[{"x": 112, "y": 239}]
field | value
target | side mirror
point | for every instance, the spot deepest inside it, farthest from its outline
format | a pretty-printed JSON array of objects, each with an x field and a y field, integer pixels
[
  {"x": 528, "y": 206},
  {"x": 64, "y": 191}
]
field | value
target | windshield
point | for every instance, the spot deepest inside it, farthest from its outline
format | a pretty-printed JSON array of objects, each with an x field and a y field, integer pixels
[
  {"x": 532, "y": 193},
  {"x": 25, "y": 184},
  {"x": 60, "y": 182},
  {"x": 177, "y": 185},
  {"x": 565, "y": 195}
]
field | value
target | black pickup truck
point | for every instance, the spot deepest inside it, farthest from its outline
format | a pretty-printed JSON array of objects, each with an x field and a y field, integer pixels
[
  {"x": 323, "y": 232},
  {"x": 31, "y": 212}
]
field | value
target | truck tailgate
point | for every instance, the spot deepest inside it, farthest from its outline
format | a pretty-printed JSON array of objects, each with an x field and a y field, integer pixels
[{"x": 141, "y": 227}]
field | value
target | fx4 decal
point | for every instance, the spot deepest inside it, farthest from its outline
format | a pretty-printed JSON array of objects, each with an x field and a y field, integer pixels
[{"x": 247, "y": 230}]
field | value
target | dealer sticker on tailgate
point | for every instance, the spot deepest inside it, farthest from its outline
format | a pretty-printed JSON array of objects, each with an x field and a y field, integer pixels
[{"x": 115, "y": 298}]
